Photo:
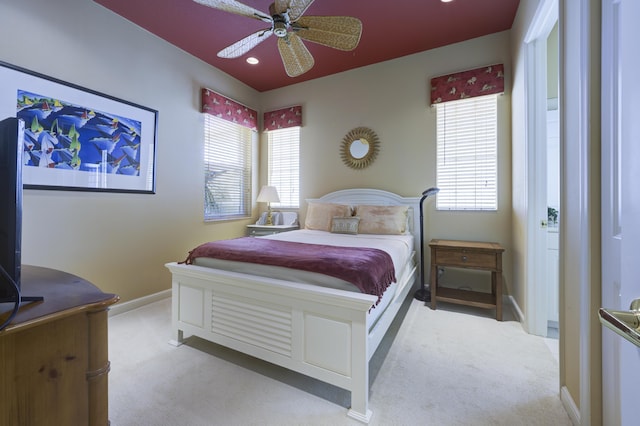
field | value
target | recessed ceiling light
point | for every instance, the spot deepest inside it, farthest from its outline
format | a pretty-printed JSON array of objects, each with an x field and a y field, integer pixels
[
  {"x": 251, "y": 60},
  {"x": 446, "y": 1}
]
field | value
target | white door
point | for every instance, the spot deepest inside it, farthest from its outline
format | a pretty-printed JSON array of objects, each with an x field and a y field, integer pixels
[{"x": 620, "y": 203}]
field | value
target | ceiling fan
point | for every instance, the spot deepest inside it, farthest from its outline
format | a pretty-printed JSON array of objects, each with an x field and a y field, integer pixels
[{"x": 287, "y": 23}]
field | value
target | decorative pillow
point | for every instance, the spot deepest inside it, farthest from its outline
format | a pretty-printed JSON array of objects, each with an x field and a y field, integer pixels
[
  {"x": 345, "y": 225},
  {"x": 382, "y": 219},
  {"x": 319, "y": 215}
]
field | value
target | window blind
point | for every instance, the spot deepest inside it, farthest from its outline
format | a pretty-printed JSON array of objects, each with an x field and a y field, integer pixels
[
  {"x": 467, "y": 154},
  {"x": 227, "y": 169},
  {"x": 284, "y": 165}
]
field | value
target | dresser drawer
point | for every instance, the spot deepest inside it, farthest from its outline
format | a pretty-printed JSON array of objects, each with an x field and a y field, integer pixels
[{"x": 466, "y": 259}]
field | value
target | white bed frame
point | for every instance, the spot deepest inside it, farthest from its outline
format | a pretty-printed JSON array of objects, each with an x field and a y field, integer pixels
[{"x": 317, "y": 331}]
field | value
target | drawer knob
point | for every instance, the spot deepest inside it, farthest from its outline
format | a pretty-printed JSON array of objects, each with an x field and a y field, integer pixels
[{"x": 464, "y": 258}]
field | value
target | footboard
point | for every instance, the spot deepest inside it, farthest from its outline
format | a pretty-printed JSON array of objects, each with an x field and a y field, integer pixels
[{"x": 316, "y": 331}]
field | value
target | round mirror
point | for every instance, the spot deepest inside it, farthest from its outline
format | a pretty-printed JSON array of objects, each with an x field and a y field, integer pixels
[{"x": 359, "y": 147}]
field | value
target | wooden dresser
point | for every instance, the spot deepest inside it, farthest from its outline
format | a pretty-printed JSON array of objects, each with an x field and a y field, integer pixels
[
  {"x": 54, "y": 355},
  {"x": 468, "y": 255}
]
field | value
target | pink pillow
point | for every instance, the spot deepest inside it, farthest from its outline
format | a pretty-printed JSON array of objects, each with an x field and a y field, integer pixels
[
  {"x": 382, "y": 219},
  {"x": 320, "y": 215}
]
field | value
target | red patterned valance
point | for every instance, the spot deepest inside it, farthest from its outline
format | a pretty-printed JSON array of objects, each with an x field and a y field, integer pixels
[
  {"x": 283, "y": 118},
  {"x": 220, "y": 106},
  {"x": 468, "y": 84}
]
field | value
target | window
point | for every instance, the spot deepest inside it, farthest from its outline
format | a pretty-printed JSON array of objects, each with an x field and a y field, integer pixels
[
  {"x": 284, "y": 165},
  {"x": 467, "y": 154},
  {"x": 227, "y": 169}
]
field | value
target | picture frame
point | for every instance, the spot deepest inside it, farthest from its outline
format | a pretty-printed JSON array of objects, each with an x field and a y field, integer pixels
[{"x": 78, "y": 139}]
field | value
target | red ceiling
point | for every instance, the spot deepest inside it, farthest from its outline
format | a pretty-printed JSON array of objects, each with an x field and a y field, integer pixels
[{"x": 391, "y": 29}]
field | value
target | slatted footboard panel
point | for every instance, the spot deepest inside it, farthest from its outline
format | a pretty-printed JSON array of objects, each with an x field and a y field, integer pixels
[
  {"x": 315, "y": 339},
  {"x": 312, "y": 330},
  {"x": 266, "y": 327}
]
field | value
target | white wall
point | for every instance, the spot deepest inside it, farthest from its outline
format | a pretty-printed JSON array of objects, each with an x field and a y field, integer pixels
[
  {"x": 119, "y": 242},
  {"x": 392, "y": 98}
]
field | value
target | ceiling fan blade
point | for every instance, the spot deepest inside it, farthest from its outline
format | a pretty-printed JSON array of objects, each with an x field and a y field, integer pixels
[
  {"x": 280, "y": 6},
  {"x": 236, "y": 7},
  {"x": 295, "y": 56},
  {"x": 296, "y": 8},
  {"x": 339, "y": 32},
  {"x": 241, "y": 47}
]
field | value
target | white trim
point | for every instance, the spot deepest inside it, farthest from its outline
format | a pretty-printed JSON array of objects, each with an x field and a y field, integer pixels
[
  {"x": 584, "y": 78},
  {"x": 575, "y": 103},
  {"x": 570, "y": 405},
  {"x": 514, "y": 307},
  {"x": 120, "y": 308},
  {"x": 543, "y": 21},
  {"x": 611, "y": 209}
]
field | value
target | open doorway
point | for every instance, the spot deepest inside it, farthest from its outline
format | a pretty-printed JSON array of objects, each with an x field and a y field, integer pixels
[
  {"x": 553, "y": 185},
  {"x": 543, "y": 177}
]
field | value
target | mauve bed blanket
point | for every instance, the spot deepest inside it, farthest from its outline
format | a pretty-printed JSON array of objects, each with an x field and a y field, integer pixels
[{"x": 369, "y": 269}]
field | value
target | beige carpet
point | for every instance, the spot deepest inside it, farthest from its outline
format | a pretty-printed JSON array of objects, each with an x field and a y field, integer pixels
[{"x": 452, "y": 366}]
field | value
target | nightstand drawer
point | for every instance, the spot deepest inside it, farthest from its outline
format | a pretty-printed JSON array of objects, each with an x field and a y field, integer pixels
[
  {"x": 466, "y": 259},
  {"x": 261, "y": 230}
]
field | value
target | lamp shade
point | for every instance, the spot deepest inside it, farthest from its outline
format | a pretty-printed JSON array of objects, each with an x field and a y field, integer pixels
[{"x": 268, "y": 194}]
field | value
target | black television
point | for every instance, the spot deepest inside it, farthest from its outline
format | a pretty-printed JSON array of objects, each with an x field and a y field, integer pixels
[{"x": 11, "y": 149}]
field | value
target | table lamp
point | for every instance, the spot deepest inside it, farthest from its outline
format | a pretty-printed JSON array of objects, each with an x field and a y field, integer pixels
[{"x": 268, "y": 194}]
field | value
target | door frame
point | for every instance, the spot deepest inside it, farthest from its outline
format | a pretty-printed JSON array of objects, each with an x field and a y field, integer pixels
[
  {"x": 536, "y": 128},
  {"x": 580, "y": 276},
  {"x": 611, "y": 209}
]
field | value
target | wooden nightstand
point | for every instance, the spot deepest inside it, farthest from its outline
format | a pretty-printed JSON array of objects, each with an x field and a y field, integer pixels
[
  {"x": 469, "y": 255},
  {"x": 260, "y": 230}
]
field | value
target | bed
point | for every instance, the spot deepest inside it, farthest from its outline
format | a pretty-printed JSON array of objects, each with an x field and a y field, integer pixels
[{"x": 324, "y": 331}]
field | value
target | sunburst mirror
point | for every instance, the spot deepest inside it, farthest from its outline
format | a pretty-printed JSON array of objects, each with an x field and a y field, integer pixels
[{"x": 359, "y": 147}]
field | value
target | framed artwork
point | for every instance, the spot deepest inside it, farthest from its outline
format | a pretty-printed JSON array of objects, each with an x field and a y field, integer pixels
[{"x": 78, "y": 139}]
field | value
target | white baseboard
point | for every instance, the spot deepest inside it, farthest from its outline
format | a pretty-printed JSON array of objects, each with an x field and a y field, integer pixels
[
  {"x": 515, "y": 308},
  {"x": 570, "y": 405},
  {"x": 120, "y": 308}
]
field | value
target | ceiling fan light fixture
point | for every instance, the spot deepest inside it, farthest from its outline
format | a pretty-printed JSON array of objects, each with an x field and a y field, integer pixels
[{"x": 280, "y": 28}]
